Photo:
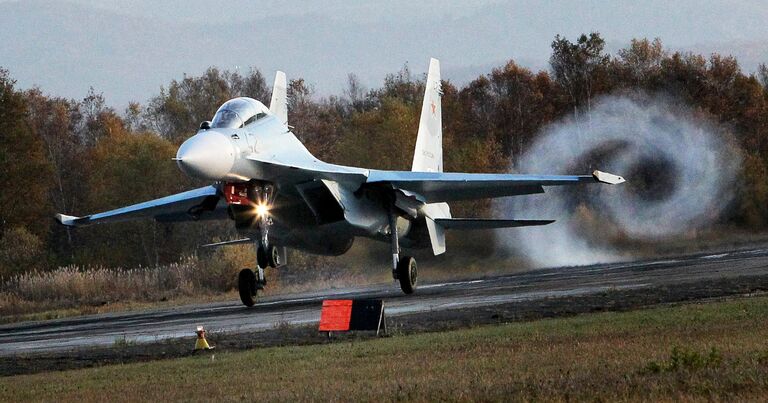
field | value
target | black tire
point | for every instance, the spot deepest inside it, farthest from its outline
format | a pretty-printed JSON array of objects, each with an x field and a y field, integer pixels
[
  {"x": 262, "y": 259},
  {"x": 407, "y": 273},
  {"x": 274, "y": 257},
  {"x": 246, "y": 285}
]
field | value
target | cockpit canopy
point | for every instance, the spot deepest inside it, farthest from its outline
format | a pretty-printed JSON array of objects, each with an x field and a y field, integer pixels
[{"x": 238, "y": 112}]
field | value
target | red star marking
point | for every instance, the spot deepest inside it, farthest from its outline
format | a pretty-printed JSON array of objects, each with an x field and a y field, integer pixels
[{"x": 433, "y": 107}]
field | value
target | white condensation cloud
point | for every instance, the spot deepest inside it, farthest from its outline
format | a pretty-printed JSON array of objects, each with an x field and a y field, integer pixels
[{"x": 681, "y": 173}]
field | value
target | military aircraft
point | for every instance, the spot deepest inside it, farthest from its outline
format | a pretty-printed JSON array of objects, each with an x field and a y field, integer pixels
[{"x": 279, "y": 195}]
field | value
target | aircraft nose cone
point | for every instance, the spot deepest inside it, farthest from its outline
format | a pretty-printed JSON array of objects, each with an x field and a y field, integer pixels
[{"x": 206, "y": 155}]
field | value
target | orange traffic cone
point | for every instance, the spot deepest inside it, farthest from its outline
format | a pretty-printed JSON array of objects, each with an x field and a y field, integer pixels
[{"x": 201, "y": 343}]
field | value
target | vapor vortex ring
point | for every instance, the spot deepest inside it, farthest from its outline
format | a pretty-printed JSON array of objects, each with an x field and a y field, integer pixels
[{"x": 680, "y": 175}]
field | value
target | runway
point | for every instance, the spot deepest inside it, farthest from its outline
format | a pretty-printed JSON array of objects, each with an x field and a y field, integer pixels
[{"x": 430, "y": 298}]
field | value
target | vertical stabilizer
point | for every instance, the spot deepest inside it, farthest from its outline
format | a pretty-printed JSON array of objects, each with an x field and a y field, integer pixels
[
  {"x": 279, "y": 103},
  {"x": 428, "y": 156}
]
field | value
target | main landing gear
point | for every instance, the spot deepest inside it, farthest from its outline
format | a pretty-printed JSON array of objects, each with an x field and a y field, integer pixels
[
  {"x": 403, "y": 267},
  {"x": 406, "y": 273}
]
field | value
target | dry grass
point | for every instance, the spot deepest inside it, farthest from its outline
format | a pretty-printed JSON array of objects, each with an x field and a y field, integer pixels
[
  {"x": 75, "y": 290},
  {"x": 601, "y": 357}
]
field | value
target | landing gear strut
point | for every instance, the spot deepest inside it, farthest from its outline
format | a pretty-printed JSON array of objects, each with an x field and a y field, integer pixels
[
  {"x": 262, "y": 258},
  {"x": 259, "y": 196},
  {"x": 403, "y": 267}
]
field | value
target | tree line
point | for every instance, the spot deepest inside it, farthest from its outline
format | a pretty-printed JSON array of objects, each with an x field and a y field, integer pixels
[{"x": 83, "y": 156}]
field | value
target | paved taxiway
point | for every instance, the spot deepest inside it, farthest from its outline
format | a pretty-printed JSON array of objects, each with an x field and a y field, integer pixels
[{"x": 160, "y": 324}]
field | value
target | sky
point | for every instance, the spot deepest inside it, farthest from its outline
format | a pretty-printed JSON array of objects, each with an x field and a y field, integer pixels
[{"x": 128, "y": 49}]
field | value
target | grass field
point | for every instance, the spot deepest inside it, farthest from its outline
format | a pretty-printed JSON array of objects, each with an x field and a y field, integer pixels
[{"x": 702, "y": 351}]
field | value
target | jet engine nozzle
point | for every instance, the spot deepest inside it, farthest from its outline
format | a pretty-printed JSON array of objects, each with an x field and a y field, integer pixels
[{"x": 206, "y": 155}]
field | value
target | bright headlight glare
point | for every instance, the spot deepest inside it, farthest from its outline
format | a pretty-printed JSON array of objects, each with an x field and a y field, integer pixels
[{"x": 262, "y": 210}]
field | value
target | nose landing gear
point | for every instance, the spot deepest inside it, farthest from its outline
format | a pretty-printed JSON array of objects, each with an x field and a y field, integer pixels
[
  {"x": 248, "y": 284},
  {"x": 267, "y": 257},
  {"x": 251, "y": 203},
  {"x": 249, "y": 281}
]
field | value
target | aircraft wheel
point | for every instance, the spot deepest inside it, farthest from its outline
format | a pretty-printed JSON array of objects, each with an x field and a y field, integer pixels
[
  {"x": 407, "y": 274},
  {"x": 273, "y": 256},
  {"x": 262, "y": 258},
  {"x": 246, "y": 285}
]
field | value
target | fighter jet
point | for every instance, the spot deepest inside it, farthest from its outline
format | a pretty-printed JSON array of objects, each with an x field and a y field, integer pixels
[{"x": 279, "y": 195}]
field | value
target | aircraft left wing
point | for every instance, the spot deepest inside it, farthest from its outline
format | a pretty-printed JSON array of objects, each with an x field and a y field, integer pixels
[
  {"x": 185, "y": 206},
  {"x": 451, "y": 186}
]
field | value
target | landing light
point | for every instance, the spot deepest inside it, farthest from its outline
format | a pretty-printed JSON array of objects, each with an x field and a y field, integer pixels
[{"x": 262, "y": 210}]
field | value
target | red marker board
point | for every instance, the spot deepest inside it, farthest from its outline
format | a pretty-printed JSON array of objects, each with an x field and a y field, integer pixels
[
  {"x": 341, "y": 315},
  {"x": 335, "y": 315}
]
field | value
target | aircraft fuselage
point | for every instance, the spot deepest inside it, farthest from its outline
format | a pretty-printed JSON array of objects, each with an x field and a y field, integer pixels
[{"x": 317, "y": 216}]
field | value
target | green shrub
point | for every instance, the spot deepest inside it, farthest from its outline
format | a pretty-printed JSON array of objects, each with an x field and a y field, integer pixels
[
  {"x": 683, "y": 359},
  {"x": 20, "y": 251}
]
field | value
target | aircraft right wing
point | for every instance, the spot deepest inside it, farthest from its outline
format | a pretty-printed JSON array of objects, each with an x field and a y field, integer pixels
[{"x": 186, "y": 206}]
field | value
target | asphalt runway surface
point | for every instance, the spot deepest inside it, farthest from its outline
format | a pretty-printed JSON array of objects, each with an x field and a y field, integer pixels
[{"x": 533, "y": 288}]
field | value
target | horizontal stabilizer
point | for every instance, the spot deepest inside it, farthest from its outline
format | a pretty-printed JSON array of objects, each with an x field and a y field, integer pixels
[
  {"x": 227, "y": 243},
  {"x": 487, "y": 223}
]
